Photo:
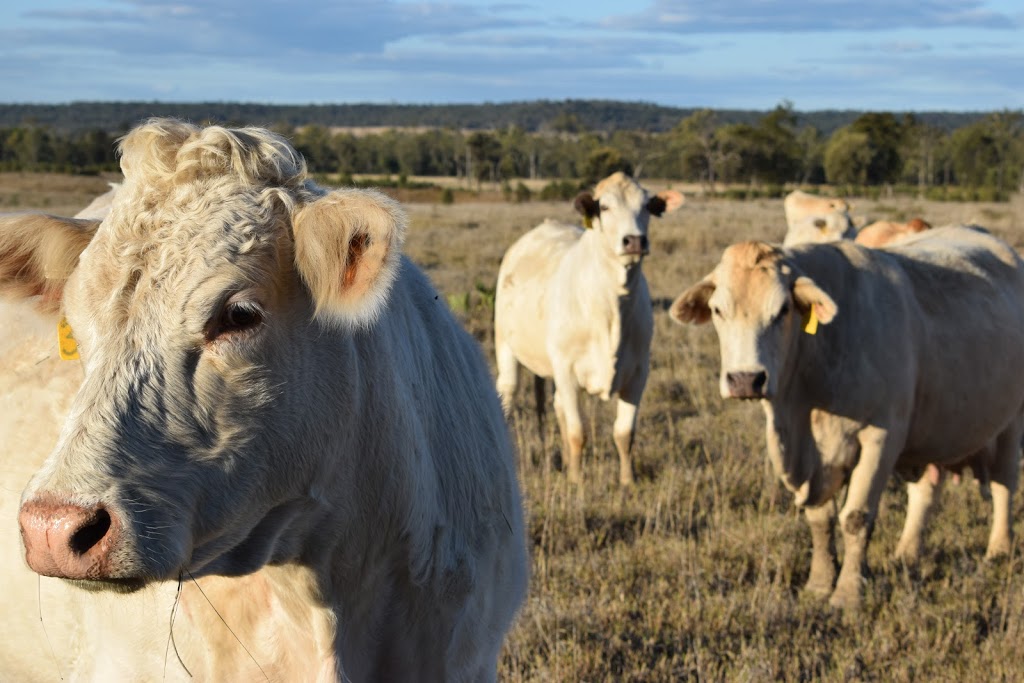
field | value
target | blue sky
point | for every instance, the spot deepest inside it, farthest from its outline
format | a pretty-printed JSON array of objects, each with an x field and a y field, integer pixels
[{"x": 958, "y": 55}]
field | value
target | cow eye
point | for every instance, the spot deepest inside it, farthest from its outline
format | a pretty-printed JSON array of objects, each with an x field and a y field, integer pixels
[
  {"x": 238, "y": 316},
  {"x": 716, "y": 311}
]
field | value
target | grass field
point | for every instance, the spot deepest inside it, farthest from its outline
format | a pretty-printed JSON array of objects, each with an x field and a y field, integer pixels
[{"x": 695, "y": 573}]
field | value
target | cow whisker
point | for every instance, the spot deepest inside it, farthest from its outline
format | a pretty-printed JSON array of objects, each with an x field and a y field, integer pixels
[
  {"x": 39, "y": 602},
  {"x": 230, "y": 630},
  {"x": 170, "y": 633}
]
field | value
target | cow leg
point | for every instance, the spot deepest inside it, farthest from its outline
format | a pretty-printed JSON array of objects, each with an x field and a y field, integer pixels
[
  {"x": 625, "y": 428},
  {"x": 571, "y": 427},
  {"x": 878, "y": 451},
  {"x": 823, "y": 548},
  {"x": 508, "y": 376},
  {"x": 921, "y": 497},
  {"x": 1005, "y": 474}
]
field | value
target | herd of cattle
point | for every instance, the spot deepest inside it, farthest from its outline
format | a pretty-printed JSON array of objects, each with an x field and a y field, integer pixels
[{"x": 279, "y": 457}]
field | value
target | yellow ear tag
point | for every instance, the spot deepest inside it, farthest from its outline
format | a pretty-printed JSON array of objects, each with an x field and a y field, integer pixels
[
  {"x": 588, "y": 222},
  {"x": 810, "y": 322},
  {"x": 66, "y": 343}
]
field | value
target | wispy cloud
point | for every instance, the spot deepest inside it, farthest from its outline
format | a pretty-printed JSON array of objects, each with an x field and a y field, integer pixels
[{"x": 744, "y": 16}]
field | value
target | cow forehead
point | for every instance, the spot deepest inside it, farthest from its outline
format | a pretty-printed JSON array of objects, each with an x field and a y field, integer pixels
[
  {"x": 621, "y": 188},
  {"x": 752, "y": 275},
  {"x": 193, "y": 231}
]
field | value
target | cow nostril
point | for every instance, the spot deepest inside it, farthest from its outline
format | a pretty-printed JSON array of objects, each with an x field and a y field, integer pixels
[
  {"x": 759, "y": 381},
  {"x": 90, "y": 533},
  {"x": 625, "y": 241}
]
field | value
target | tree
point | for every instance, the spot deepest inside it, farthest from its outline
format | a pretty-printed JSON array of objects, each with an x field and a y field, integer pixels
[
  {"x": 698, "y": 148},
  {"x": 811, "y": 146},
  {"x": 848, "y": 157},
  {"x": 602, "y": 162},
  {"x": 314, "y": 143},
  {"x": 921, "y": 152},
  {"x": 975, "y": 155},
  {"x": 485, "y": 152},
  {"x": 884, "y": 137}
]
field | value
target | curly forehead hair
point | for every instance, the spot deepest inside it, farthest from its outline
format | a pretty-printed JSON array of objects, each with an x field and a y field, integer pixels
[{"x": 169, "y": 152}]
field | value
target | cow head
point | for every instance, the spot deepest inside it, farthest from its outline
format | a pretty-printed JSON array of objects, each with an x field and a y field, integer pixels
[
  {"x": 620, "y": 210},
  {"x": 206, "y": 306},
  {"x": 759, "y": 304},
  {"x": 828, "y": 227}
]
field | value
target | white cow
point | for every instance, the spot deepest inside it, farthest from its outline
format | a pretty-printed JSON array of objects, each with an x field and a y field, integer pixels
[
  {"x": 867, "y": 361},
  {"x": 276, "y": 411},
  {"x": 573, "y": 304},
  {"x": 99, "y": 208},
  {"x": 812, "y": 219}
]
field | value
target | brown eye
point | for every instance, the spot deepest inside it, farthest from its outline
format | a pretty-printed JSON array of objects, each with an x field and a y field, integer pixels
[{"x": 238, "y": 316}]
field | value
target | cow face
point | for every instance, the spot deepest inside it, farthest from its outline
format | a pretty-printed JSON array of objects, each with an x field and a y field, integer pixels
[
  {"x": 620, "y": 210},
  {"x": 206, "y": 307},
  {"x": 828, "y": 227},
  {"x": 759, "y": 306}
]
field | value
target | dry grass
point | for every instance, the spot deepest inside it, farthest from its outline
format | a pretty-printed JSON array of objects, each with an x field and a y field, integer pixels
[{"x": 694, "y": 574}]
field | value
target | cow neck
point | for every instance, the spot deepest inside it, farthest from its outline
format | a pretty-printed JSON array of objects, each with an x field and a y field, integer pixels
[{"x": 810, "y": 387}]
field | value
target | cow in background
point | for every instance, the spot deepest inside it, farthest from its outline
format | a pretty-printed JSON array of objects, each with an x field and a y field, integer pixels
[
  {"x": 811, "y": 219},
  {"x": 863, "y": 367},
  {"x": 883, "y": 233},
  {"x": 572, "y": 304}
]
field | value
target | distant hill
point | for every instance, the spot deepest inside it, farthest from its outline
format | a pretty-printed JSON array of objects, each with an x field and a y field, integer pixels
[{"x": 599, "y": 115}]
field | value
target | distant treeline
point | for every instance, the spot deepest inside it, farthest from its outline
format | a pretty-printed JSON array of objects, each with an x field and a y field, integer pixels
[
  {"x": 533, "y": 117},
  {"x": 954, "y": 156}
]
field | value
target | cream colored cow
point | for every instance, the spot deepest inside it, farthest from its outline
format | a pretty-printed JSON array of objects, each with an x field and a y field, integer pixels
[
  {"x": 811, "y": 219},
  {"x": 273, "y": 410},
  {"x": 882, "y": 233},
  {"x": 573, "y": 304},
  {"x": 99, "y": 208},
  {"x": 863, "y": 365}
]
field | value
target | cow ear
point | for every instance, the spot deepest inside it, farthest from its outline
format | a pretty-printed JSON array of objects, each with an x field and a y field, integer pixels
[
  {"x": 347, "y": 249},
  {"x": 692, "y": 305},
  {"x": 38, "y": 253},
  {"x": 808, "y": 296},
  {"x": 586, "y": 205},
  {"x": 669, "y": 200}
]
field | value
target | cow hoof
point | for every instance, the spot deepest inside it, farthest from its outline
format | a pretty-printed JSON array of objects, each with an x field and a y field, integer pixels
[
  {"x": 909, "y": 556},
  {"x": 996, "y": 554},
  {"x": 845, "y": 600},
  {"x": 818, "y": 588}
]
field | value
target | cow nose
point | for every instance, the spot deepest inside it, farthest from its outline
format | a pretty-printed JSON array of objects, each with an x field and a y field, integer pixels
[
  {"x": 68, "y": 541},
  {"x": 746, "y": 384},
  {"x": 634, "y": 244}
]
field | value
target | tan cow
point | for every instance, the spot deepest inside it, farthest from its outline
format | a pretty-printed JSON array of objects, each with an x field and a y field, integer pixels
[
  {"x": 864, "y": 365},
  {"x": 276, "y": 411},
  {"x": 882, "y": 233},
  {"x": 573, "y": 304},
  {"x": 811, "y": 219}
]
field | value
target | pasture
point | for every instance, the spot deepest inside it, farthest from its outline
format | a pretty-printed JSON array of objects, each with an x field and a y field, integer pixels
[{"x": 694, "y": 573}]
